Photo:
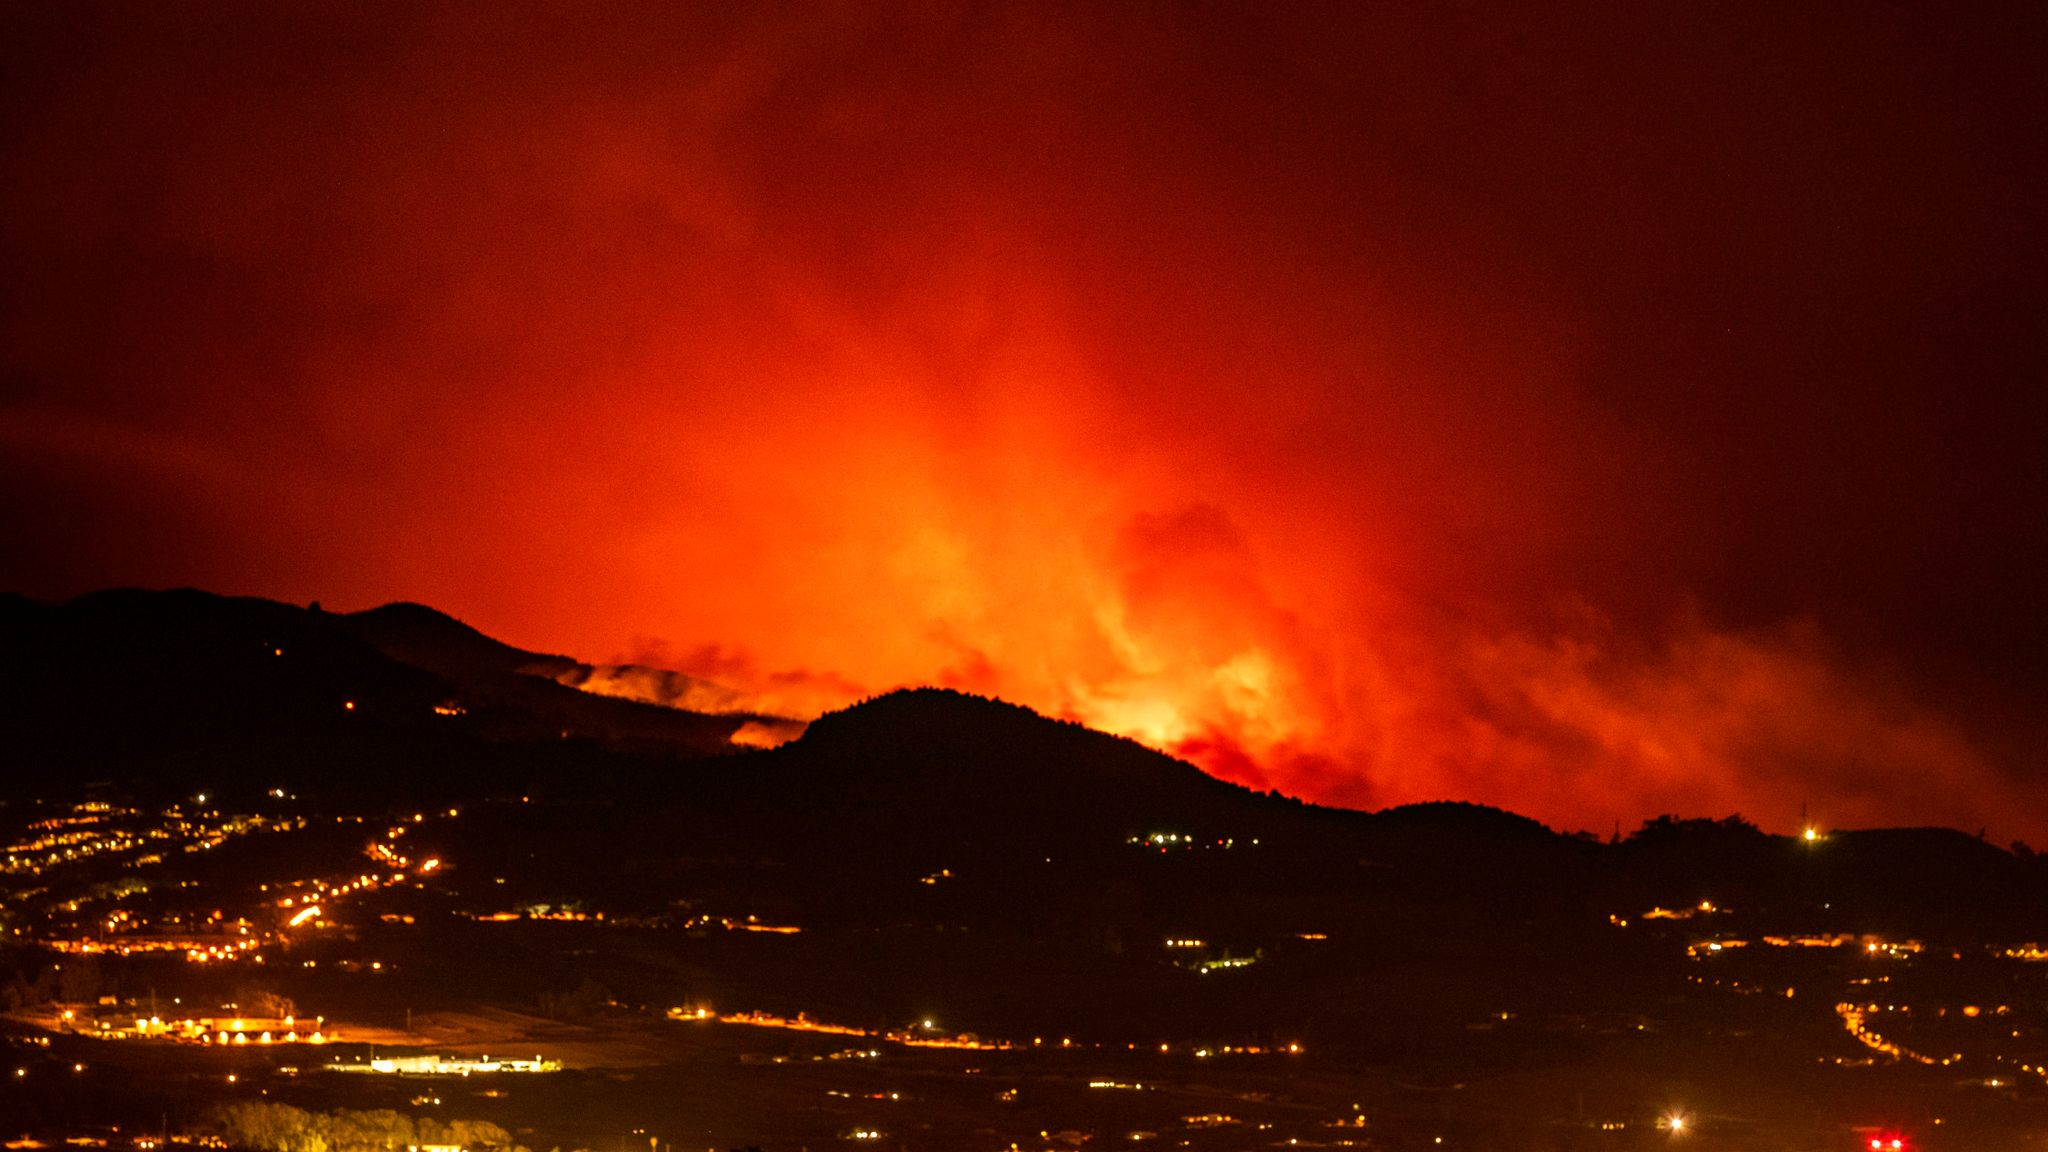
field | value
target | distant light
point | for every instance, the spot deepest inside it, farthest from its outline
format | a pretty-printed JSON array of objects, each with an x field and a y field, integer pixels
[{"x": 1811, "y": 834}]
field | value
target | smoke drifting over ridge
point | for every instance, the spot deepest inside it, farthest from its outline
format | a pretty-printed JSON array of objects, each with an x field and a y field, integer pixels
[{"x": 1591, "y": 417}]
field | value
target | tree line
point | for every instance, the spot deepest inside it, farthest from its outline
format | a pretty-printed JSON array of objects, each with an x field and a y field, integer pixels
[{"x": 266, "y": 1127}]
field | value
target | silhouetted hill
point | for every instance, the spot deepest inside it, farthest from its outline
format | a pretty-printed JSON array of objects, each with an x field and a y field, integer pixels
[
  {"x": 1431, "y": 817},
  {"x": 184, "y": 690},
  {"x": 179, "y": 685},
  {"x": 963, "y": 761},
  {"x": 530, "y": 696},
  {"x": 431, "y": 639},
  {"x": 1906, "y": 880},
  {"x": 1921, "y": 878},
  {"x": 428, "y": 638},
  {"x": 948, "y": 770}
]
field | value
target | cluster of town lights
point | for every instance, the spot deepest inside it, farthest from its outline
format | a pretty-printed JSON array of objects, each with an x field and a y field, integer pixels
[
  {"x": 926, "y": 1034},
  {"x": 87, "y": 829},
  {"x": 211, "y": 1030}
]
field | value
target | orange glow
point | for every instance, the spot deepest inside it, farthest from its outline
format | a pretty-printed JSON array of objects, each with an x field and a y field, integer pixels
[
  {"x": 1235, "y": 613},
  {"x": 1183, "y": 587},
  {"x": 1074, "y": 371}
]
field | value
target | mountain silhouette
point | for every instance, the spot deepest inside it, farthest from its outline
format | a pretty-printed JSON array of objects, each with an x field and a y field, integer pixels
[{"x": 183, "y": 690}]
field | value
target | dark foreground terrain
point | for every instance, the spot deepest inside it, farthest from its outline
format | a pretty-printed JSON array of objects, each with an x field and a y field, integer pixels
[{"x": 253, "y": 850}]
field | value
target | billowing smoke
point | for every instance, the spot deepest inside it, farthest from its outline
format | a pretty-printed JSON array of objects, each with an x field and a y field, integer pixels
[{"x": 1369, "y": 406}]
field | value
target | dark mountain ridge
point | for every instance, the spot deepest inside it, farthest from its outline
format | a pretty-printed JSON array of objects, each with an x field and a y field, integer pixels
[
  {"x": 178, "y": 685},
  {"x": 185, "y": 690},
  {"x": 972, "y": 752},
  {"x": 530, "y": 696},
  {"x": 431, "y": 639},
  {"x": 182, "y": 690}
]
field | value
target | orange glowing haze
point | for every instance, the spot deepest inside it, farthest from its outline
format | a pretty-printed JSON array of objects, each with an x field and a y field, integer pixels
[{"x": 1591, "y": 416}]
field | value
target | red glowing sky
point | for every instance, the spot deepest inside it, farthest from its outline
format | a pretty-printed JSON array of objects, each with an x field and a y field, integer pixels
[{"x": 1593, "y": 413}]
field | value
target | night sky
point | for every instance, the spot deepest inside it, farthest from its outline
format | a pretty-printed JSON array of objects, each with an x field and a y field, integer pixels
[{"x": 1594, "y": 411}]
